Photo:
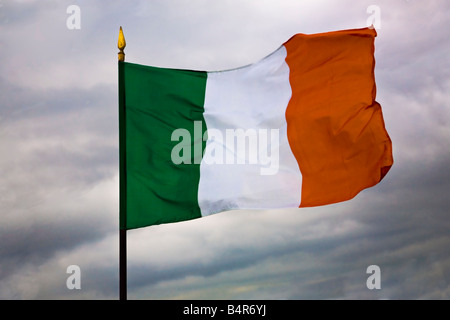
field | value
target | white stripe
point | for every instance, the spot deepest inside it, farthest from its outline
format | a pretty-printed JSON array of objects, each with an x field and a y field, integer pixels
[{"x": 252, "y": 98}]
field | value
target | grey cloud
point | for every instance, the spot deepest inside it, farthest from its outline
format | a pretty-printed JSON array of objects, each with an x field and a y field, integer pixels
[{"x": 59, "y": 161}]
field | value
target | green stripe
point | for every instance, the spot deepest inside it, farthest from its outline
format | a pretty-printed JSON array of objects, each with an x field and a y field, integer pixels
[
  {"x": 122, "y": 152},
  {"x": 157, "y": 102}
]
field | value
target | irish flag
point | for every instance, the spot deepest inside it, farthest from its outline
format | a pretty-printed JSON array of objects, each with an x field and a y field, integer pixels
[{"x": 299, "y": 128}]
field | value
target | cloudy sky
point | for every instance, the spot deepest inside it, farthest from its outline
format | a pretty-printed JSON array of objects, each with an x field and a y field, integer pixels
[{"x": 59, "y": 157}]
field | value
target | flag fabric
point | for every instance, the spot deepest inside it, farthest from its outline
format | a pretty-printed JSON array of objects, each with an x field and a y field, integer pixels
[{"x": 299, "y": 128}]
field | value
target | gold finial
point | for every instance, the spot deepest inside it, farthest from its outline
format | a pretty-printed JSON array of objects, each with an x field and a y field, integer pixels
[{"x": 121, "y": 45}]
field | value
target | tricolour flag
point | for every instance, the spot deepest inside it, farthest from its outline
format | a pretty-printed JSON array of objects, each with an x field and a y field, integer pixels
[{"x": 299, "y": 128}]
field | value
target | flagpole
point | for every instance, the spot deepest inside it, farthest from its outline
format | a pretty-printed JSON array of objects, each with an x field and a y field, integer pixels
[{"x": 122, "y": 174}]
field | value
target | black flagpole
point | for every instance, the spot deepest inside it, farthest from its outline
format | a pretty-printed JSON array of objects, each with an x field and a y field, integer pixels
[
  {"x": 123, "y": 264},
  {"x": 122, "y": 175}
]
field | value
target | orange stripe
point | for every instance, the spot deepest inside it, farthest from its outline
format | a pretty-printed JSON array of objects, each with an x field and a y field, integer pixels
[{"x": 335, "y": 126}]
